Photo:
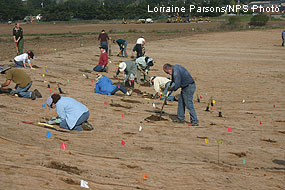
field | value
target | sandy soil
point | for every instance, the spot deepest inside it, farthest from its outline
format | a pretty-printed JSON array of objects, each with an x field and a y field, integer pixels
[{"x": 230, "y": 67}]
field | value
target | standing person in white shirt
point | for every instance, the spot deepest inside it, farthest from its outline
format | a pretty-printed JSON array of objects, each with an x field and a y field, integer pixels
[
  {"x": 139, "y": 46},
  {"x": 21, "y": 60}
]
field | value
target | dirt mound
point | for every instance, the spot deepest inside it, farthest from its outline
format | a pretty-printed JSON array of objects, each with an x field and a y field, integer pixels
[
  {"x": 131, "y": 101},
  {"x": 70, "y": 181},
  {"x": 155, "y": 118},
  {"x": 119, "y": 105},
  {"x": 63, "y": 167}
]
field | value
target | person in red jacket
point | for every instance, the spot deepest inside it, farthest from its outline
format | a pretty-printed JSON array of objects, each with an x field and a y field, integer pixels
[{"x": 103, "y": 61}]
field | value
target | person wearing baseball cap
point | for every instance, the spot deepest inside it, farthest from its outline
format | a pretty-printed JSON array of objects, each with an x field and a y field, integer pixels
[
  {"x": 143, "y": 64},
  {"x": 24, "y": 58},
  {"x": 72, "y": 115},
  {"x": 130, "y": 70},
  {"x": 23, "y": 83}
]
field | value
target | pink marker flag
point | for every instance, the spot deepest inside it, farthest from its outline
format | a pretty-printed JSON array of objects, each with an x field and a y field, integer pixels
[
  {"x": 63, "y": 146},
  {"x": 105, "y": 103},
  {"x": 123, "y": 116},
  {"x": 211, "y": 107},
  {"x": 123, "y": 142},
  {"x": 230, "y": 130}
]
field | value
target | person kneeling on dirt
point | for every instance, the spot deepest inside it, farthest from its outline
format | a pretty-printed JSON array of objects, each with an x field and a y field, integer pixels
[
  {"x": 23, "y": 83},
  {"x": 103, "y": 61},
  {"x": 21, "y": 60},
  {"x": 104, "y": 85},
  {"x": 161, "y": 86},
  {"x": 72, "y": 115},
  {"x": 143, "y": 64},
  {"x": 130, "y": 69},
  {"x": 123, "y": 47},
  {"x": 183, "y": 79}
]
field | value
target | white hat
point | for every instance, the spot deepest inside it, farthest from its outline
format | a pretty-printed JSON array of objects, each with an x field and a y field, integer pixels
[{"x": 122, "y": 66}]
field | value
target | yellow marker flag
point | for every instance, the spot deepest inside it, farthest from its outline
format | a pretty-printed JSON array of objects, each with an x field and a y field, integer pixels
[
  {"x": 220, "y": 141},
  {"x": 214, "y": 101},
  {"x": 206, "y": 141},
  {"x": 44, "y": 75}
]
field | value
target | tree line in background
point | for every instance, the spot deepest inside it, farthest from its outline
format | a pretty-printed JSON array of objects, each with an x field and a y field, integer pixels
[{"x": 64, "y": 10}]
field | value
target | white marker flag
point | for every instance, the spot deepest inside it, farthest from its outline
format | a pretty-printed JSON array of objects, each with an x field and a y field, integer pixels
[{"x": 84, "y": 184}]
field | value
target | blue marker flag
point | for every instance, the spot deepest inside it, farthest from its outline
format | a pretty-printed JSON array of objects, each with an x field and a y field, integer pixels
[
  {"x": 46, "y": 71},
  {"x": 49, "y": 134}
]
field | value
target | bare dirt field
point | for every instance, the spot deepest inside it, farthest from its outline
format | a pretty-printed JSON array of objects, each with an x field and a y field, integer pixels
[{"x": 228, "y": 66}]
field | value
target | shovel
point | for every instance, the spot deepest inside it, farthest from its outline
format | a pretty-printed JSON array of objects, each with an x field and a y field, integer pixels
[{"x": 163, "y": 104}]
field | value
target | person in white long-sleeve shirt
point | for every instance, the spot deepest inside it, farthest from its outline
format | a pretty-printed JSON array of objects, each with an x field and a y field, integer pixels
[
  {"x": 24, "y": 58},
  {"x": 161, "y": 85}
]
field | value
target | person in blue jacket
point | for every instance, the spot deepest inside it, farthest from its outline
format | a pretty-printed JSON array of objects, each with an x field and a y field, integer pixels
[
  {"x": 183, "y": 79},
  {"x": 72, "y": 115},
  {"x": 105, "y": 86}
]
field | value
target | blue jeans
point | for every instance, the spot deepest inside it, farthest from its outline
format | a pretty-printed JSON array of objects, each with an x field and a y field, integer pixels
[
  {"x": 23, "y": 92},
  {"x": 186, "y": 100},
  {"x": 100, "y": 68},
  {"x": 122, "y": 89},
  {"x": 19, "y": 63},
  {"x": 105, "y": 45},
  {"x": 83, "y": 118},
  {"x": 169, "y": 98}
]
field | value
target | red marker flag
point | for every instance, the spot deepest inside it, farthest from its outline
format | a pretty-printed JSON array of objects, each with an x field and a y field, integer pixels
[
  {"x": 63, "y": 146},
  {"x": 123, "y": 142},
  {"x": 123, "y": 116},
  {"x": 105, "y": 103}
]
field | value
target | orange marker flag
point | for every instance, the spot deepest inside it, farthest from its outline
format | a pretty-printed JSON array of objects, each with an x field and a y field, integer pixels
[{"x": 144, "y": 176}]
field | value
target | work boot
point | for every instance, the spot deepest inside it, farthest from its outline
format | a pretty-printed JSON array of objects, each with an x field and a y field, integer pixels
[
  {"x": 129, "y": 92},
  {"x": 33, "y": 96},
  {"x": 178, "y": 121},
  {"x": 86, "y": 126},
  {"x": 37, "y": 93}
]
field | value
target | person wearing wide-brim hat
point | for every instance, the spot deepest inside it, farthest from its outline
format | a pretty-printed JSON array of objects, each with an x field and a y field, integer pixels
[
  {"x": 130, "y": 70},
  {"x": 23, "y": 83}
]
